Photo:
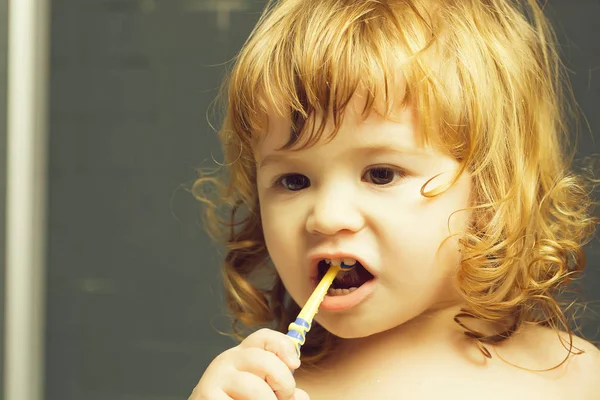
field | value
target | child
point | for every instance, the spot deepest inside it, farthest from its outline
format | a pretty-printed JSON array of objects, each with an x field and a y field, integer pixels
[{"x": 425, "y": 141}]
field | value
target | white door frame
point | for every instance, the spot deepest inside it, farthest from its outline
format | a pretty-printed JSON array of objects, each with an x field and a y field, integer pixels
[{"x": 26, "y": 172}]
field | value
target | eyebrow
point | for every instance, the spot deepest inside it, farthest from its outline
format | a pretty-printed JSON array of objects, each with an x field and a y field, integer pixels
[{"x": 367, "y": 150}]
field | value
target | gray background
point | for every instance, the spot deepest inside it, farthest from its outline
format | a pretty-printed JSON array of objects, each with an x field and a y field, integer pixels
[{"x": 133, "y": 292}]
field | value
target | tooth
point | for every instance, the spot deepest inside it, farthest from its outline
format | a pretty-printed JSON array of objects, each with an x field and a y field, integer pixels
[
  {"x": 327, "y": 261},
  {"x": 340, "y": 292},
  {"x": 336, "y": 261},
  {"x": 349, "y": 261}
]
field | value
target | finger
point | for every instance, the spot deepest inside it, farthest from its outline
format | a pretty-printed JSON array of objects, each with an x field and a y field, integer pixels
[
  {"x": 275, "y": 342},
  {"x": 268, "y": 367},
  {"x": 300, "y": 394},
  {"x": 247, "y": 386},
  {"x": 215, "y": 395}
]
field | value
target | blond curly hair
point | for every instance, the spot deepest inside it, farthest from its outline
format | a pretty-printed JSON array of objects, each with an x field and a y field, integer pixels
[{"x": 487, "y": 79}]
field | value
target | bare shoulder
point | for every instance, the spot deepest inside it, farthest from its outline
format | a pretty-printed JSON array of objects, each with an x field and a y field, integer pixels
[
  {"x": 584, "y": 370},
  {"x": 579, "y": 374}
]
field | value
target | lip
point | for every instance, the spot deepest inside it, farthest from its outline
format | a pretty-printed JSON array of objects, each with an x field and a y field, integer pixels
[
  {"x": 314, "y": 260},
  {"x": 344, "y": 302}
]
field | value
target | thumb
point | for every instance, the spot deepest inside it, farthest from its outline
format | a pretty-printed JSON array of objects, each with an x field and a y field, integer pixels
[{"x": 300, "y": 394}]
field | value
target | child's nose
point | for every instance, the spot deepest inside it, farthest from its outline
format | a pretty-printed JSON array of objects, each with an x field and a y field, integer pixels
[{"x": 335, "y": 212}]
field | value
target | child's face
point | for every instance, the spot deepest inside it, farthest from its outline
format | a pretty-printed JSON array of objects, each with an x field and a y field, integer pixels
[{"x": 360, "y": 194}]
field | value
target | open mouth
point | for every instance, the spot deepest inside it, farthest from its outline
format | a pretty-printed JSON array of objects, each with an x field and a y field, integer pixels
[{"x": 346, "y": 281}]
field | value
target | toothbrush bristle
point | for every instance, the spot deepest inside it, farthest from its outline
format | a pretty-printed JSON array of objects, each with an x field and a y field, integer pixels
[{"x": 344, "y": 266}]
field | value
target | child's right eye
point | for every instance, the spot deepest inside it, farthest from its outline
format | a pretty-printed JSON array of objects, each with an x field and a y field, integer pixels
[{"x": 293, "y": 182}]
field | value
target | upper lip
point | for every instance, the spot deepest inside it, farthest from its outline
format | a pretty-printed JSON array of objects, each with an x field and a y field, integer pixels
[{"x": 315, "y": 258}]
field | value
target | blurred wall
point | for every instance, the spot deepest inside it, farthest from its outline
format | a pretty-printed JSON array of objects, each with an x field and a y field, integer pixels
[
  {"x": 133, "y": 280},
  {"x": 133, "y": 289}
]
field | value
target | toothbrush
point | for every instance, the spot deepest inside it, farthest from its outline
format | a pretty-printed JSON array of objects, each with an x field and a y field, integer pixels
[{"x": 302, "y": 324}]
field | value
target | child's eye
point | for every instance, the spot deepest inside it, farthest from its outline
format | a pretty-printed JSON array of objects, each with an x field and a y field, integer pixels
[
  {"x": 382, "y": 175},
  {"x": 293, "y": 182}
]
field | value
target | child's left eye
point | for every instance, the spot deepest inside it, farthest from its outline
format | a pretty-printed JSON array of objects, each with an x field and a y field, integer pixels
[{"x": 383, "y": 175}]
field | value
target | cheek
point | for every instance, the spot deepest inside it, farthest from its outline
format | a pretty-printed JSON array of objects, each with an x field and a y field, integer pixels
[
  {"x": 434, "y": 219},
  {"x": 415, "y": 230},
  {"x": 279, "y": 233},
  {"x": 275, "y": 219},
  {"x": 270, "y": 225}
]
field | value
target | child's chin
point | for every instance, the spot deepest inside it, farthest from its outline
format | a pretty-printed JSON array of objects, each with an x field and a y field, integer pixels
[{"x": 349, "y": 328}]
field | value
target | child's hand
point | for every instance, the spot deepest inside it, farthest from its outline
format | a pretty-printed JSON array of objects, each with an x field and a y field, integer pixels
[{"x": 259, "y": 368}]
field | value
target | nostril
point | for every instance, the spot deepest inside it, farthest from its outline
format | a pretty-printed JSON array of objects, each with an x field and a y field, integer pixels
[{"x": 331, "y": 216}]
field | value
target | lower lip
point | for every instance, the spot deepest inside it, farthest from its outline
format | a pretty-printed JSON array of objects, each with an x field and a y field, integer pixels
[{"x": 344, "y": 302}]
